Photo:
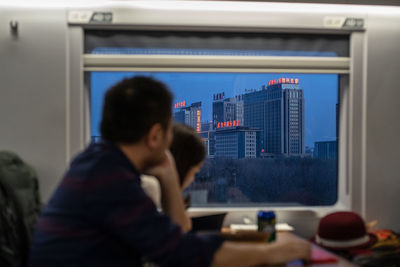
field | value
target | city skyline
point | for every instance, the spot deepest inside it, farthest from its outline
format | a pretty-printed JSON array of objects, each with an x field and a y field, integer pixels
[
  {"x": 259, "y": 123},
  {"x": 320, "y": 92}
]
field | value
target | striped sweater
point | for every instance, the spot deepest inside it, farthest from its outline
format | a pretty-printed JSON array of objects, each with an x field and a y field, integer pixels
[{"x": 100, "y": 216}]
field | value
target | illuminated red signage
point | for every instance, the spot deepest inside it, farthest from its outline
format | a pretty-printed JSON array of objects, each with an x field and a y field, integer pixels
[
  {"x": 283, "y": 80},
  {"x": 181, "y": 104},
  {"x": 228, "y": 124},
  {"x": 198, "y": 121}
]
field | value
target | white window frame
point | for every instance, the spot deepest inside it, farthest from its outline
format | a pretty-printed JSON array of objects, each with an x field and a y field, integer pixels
[{"x": 352, "y": 96}]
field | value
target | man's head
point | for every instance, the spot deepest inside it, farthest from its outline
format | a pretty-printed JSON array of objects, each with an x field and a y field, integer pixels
[{"x": 138, "y": 110}]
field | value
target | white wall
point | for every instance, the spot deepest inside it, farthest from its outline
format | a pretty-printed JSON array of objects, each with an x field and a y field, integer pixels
[
  {"x": 383, "y": 121},
  {"x": 33, "y": 90}
]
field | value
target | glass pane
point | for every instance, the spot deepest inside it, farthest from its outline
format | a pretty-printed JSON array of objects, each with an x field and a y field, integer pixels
[
  {"x": 271, "y": 139},
  {"x": 215, "y": 43}
]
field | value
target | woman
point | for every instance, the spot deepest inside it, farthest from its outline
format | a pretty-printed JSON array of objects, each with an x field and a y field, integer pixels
[{"x": 189, "y": 152}]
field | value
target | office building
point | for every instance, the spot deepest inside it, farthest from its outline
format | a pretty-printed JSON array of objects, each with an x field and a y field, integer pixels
[
  {"x": 206, "y": 126},
  {"x": 225, "y": 109},
  {"x": 208, "y": 138},
  {"x": 325, "y": 150},
  {"x": 285, "y": 118},
  {"x": 190, "y": 115},
  {"x": 180, "y": 115},
  {"x": 239, "y": 110},
  {"x": 277, "y": 110},
  {"x": 236, "y": 142},
  {"x": 254, "y": 113}
]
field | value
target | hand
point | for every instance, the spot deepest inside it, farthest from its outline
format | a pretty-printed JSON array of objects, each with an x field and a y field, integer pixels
[
  {"x": 166, "y": 170},
  {"x": 171, "y": 195},
  {"x": 288, "y": 247}
]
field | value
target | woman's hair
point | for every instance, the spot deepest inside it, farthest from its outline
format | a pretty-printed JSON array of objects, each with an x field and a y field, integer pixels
[{"x": 187, "y": 148}]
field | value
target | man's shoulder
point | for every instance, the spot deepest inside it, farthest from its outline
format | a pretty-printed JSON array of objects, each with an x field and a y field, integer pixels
[{"x": 99, "y": 158}]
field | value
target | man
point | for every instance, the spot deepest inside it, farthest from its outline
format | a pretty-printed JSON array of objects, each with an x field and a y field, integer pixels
[{"x": 100, "y": 216}]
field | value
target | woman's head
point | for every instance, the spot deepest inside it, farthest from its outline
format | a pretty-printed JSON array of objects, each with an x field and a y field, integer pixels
[{"x": 189, "y": 152}]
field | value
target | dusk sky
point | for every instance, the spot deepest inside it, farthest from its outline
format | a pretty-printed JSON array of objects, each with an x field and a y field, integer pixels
[{"x": 320, "y": 91}]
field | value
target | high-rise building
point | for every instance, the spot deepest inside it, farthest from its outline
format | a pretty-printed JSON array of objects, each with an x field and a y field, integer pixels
[
  {"x": 206, "y": 126},
  {"x": 284, "y": 117},
  {"x": 224, "y": 109},
  {"x": 236, "y": 142},
  {"x": 239, "y": 109},
  {"x": 190, "y": 115},
  {"x": 180, "y": 115},
  {"x": 254, "y": 112},
  {"x": 325, "y": 150},
  {"x": 277, "y": 110},
  {"x": 195, "y": 116},
  {"x": 208, "y": 138},
  {"x": 218, "y": 108}
]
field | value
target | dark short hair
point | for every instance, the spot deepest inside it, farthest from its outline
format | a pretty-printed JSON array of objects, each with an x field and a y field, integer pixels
[
  {"x": 187, "y": 148},
  {"x": 132, "y": 107}
]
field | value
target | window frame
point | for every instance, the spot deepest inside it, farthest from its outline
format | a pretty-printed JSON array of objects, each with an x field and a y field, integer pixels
[{"x": 351, "y": 148}]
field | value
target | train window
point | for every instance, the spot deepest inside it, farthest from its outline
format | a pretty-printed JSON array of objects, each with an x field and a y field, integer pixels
[
  {"x": 265, "y": 104},
  {"x": 271, "y": 138}
]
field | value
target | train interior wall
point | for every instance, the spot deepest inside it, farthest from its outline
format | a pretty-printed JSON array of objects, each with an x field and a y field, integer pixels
[{"x": 35, "y": 105}]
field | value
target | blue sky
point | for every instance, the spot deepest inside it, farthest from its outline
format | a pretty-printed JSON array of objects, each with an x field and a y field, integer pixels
[{"x": 320, "y": 92}]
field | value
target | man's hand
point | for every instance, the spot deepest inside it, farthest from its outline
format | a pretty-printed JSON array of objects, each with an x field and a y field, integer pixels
[
  {"x": 166, "y": 171},
  {"x": 171, "y": 194},
  {"x": 288, "y": 247}
]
